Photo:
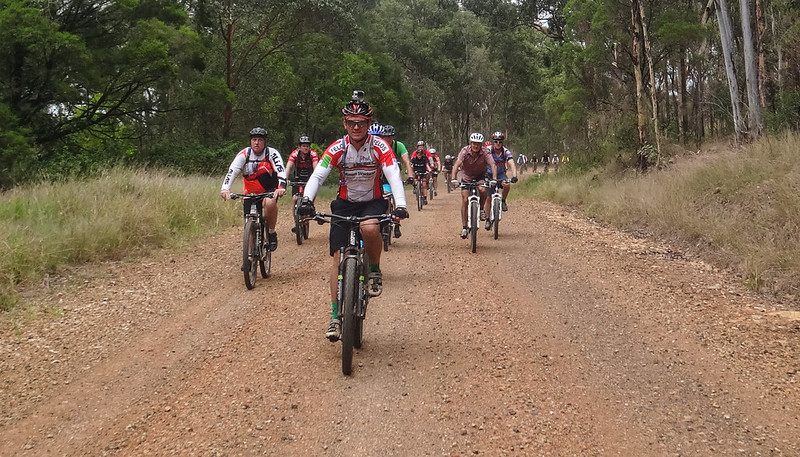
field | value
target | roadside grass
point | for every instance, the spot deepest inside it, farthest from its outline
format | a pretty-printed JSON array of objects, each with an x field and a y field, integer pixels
[
  {"x": 122, "y": 214},
  {"x": 739, "y": 209}
]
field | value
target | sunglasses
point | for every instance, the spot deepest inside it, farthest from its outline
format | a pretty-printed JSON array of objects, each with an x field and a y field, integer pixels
[
  {"x": 354, "y": 124},
  {"x": 498, "y": 141}
]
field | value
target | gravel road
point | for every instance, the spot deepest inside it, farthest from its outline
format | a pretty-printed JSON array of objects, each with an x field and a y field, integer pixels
[{"x": 561, "y": 338}]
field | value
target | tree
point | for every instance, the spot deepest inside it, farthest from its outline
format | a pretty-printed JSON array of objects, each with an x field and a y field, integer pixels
[{"x": 726, "y": 38}]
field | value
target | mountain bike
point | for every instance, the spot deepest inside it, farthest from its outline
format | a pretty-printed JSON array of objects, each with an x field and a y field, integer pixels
[
  {"x": 473, "y": 211},
  {"x": 418, "y": 192},
  {"x": 300, "y": 223},
  {"x": 386, "y": 227},
  {"x": 450, "y": 186},
  {"x": 496, "y": 209},
  {"x": 353, "y": 286},
  {"x": 431, "y": 190},
  {"x": 255, "y": 253}
]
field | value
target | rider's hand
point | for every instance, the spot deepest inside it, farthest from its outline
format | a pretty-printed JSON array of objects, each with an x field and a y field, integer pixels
[
  {"x": 400, "y": 212},
  {"x": 454, "y": 182},
  {"x": 410, "y": 180},
  {"x": 225, "y": 194},
  {"x": 514, "y": 179},
  {"x": 492, "y": 183},
  {"x": 306, "y": 207},
  {"x": 279, "y": 192}
]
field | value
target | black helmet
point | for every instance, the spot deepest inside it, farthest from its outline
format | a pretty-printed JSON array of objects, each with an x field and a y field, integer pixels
[
  {"x": 258, "y": 131},
  {"x": 305, "y": 139},
  {"x": 388, "y": 130},
  {"x": 498, "y": 136},
  {"x": 357, "y": 106}
]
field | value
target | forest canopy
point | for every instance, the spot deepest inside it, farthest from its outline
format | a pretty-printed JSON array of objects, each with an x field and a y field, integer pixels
[{"x": 86, "y": 84}]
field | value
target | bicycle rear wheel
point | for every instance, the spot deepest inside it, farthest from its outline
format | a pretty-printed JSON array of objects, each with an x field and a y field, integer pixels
[
  {"x": 265, "y": 263},
  {"x": 473, "y": 228},
  {"x": 348, "y": 308},
  {"x": 496, "y": 208},
  {"x": 250, "y": 255}
]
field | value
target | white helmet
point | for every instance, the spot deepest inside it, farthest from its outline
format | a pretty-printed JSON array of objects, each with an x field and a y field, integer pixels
[
  {"x": 433, "y": 150},
  {"x": 476, "y": 138},
  {"x": 447, "y": 157}
]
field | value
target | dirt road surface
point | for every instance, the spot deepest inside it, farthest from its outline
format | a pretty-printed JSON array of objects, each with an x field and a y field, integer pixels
[{"x": 561, "y": 338}]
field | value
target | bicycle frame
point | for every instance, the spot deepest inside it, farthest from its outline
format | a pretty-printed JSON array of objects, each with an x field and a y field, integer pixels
[
  {"x": 473, "y": 210},
  {"x": 255, "y": 256}
]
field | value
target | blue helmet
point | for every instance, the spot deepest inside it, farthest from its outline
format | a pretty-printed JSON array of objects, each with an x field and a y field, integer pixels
[{"x": 375, "y": 129}]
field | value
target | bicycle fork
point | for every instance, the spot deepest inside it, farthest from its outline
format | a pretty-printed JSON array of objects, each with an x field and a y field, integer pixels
[{"x": 477, "y": 201}]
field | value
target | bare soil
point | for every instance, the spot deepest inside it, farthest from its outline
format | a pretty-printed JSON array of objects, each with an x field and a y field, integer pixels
[{"x": 561, "y": 338}]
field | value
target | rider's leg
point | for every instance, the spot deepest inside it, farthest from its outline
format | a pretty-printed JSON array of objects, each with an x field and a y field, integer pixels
[
  {"x": 506, "y": 189},
  {"x": 464, "y": 201},
  {"x": 271, "y": 212}
]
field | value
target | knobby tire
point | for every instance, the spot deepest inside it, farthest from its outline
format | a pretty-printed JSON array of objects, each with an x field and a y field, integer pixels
[
  {"x": 474, "y": 216},
  {"x": 250, "y": 254},
  {"x": 348, "y": 307},
  {"x": 298, "y": 224},
  {"x": 496, "y": 208}
]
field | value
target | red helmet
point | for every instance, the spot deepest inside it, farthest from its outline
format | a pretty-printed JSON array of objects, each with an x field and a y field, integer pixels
[{"x": 357, "y": 106}]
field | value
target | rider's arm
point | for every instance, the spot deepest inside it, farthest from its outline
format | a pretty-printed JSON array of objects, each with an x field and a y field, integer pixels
[
  {"x": 234, "y": 170},
  {"x": 392, "y": 173},
  {"x": 512, "y": 167},
  {"x": 321, "y": 172},
  {"x": 290, "y": 164},
  {"x": 454, "y": 171},
  {"x": 277, "y": 163}
]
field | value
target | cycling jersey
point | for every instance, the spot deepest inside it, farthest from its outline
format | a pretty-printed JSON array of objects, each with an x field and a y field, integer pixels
[
  {"x": 419, "y": 162},
  {"x": 359, "y": 171},
  {"x": 448, "y": 165},
  {"x": 473, "y": 165},
  {"x": 500, "y": 158},
  {"x": 399, "y": 149},
  {"x": 260, "y": 173},
  {"x": 303, "y": 166}
]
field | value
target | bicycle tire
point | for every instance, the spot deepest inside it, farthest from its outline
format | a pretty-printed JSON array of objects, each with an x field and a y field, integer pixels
[
  {"x": 298, "y": 224},
  {"x": 250, "y": 254},
  {"x": 306, "y": 229},
  {"x": 265, "y": 264},
  {"x": 420, "y": 195},
  {"x": 348, "y": 307},
  {"x": 473, "y": 229},
  {"x": 430, "y": 190},
  {"x": 496, "y": 216},
  {"x": 363, "y": 297}
]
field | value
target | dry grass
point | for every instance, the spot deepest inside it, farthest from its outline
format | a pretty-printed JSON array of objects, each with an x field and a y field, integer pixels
[{"x": 739, "y": 209}]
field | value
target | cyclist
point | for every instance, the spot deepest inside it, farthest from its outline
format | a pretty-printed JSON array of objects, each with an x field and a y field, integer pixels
[
  {"x": 436, "y": 165},
  {"x": 555, "y": 161},
  {"x": 522, "y": 161},
  {"x": 503, "y": 159},
  {"x": 546, "y": 162},
  {"x": 473, "y": 160},
  {"x": 400, "y": 153},
  {"x": 447, "y": 166},
  {"x": 421, "y": 165},
  {"x": 534, "y": 161},
  {"x": 262, "y": 171},
  {"x": 360, "y": 158},
  {"x": 303, "y": 160}
]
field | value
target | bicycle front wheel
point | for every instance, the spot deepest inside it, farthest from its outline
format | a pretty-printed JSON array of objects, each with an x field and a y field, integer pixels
[
  {"x": 298, "y": 224},
  {"x": 496, "y": 208},
  {"x": 420, "y": 196},
  {"x": 348, "y": 314},
  {"x": 250, "y": 254},
  {"x": 473, "y": 227}
]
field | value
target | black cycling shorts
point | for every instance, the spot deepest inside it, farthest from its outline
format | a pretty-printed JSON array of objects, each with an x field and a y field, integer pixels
[{"x": 340, "y": 230}]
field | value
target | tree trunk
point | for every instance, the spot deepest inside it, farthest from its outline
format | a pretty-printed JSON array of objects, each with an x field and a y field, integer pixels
[
  {"x": 761, "y": 25},
  {"x": 641, "y": 120},
  {"x": 726, "y": 39},
  {"x": 681, "y": 91},
  {"x": 653, "y": 94},
  {"x": 756, "y": 124}
]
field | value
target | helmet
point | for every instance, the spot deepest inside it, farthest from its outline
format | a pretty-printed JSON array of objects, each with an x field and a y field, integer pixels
[
  {"x": 420, "y": 143},
  {"x": 433, "y": 150},
  {"x": 498, "y": 136},
  {"x": 258, "y": 131},
  {"x": 476, "y": 138},
  {"x": 447, "y": 157},
  {"x": 305, "y": 139},
  {"x": 388, "y": 130},
  {"x": 375, "y": 129},
  {"x": 357, "y": 106}
]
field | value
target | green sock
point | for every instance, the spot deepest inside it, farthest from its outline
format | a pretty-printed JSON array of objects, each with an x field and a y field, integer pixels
[
  {"x": 335, "y": 309},
  {"x": 373, "y": 267}
]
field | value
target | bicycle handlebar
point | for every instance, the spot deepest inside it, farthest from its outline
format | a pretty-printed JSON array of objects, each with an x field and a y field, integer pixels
[
  {"x": 324, "y": 217},
  {"x": 251, "y": 196}
]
